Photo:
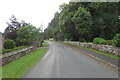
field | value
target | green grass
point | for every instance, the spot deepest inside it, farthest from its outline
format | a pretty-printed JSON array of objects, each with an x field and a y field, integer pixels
[
  {"x": 103, "y": 53},
  {"x": 45, "y": 41},
  {"x": 45, "y": 44},
  {"x": 0, "y": 51},
  {"x": 17, "y": 68}
]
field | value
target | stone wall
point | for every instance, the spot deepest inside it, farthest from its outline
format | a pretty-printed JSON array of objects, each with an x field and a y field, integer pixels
[
  {"x": 11, "y": 56},
  {"x": 104, "y": 48},
  {"x": 1, "y": 38}
]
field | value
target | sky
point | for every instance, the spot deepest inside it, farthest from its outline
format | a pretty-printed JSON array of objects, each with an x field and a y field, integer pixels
[{"x": 36, "y": 12}]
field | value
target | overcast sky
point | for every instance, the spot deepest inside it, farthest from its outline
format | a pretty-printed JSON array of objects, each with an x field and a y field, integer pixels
[{"x": 33, "y": 11}]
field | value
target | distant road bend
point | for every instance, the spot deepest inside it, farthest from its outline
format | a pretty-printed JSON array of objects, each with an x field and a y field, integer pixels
[{"x": 64, "y": 62}]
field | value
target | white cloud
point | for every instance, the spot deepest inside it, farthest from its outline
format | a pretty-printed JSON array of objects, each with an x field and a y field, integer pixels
[{"x": 33, "y": 11}]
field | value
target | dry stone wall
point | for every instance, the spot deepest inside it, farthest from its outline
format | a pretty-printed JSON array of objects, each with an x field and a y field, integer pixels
[
  {"x": 11, "y": 56},
  {"x": 104, "y": 48}
]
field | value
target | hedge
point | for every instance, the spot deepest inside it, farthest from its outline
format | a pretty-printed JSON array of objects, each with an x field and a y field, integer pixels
[
  {"x": 9, "y": 44},
  {"x": 116, "y": 42}
]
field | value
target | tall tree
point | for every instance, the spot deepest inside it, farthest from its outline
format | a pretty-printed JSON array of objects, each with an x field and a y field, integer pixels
[
  {"x": 83, "y": 22},
  {"x": 13, "y": 26},
  {"x": 28, "y": 35},
  {"x": 65, "y": 20},
  {"x": 53, "y": 30}
]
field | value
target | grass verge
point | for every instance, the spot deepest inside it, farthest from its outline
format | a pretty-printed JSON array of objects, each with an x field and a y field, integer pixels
[
  {"x": 45, "y": 44},
  {"x": 45, "y": 41},
  {"x": 103, "y": 53},
  {"x": 17, "y": 68}
]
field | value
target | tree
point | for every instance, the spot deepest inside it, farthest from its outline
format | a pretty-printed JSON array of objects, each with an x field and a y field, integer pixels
[
  {"x": 100, "y": 23},
  {"x": 65, "y": 20},
  {"x": 53, "y": 30},
  {"x": 28, "y": 35},
  {"x": 83, "y": 21},
  {"x": 13, "y": 26},
  {"x": 104, "y": 17}
]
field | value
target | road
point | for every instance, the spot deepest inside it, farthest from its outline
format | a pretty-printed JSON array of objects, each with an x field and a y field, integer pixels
[{"x": 64, "y": 62}]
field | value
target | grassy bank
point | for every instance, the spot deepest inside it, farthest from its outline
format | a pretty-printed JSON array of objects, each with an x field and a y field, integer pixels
[
  {"x": 45, "y": 45},
  {"x": 17, "y": 68},
  {"x": 45, "y": 41},
  {"x": 99, "y": 52}
]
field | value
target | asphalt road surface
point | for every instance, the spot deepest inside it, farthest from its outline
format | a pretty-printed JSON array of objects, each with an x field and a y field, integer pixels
[{"x": 64, "y": 62}]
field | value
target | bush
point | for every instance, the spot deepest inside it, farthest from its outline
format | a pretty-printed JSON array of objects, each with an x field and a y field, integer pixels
[
  {"x": 9, "y": 44},
  {"x": 26, "y": 42},
  {"x": 116, "y": 42},
  {"x": 99, "y": 41},
  {"x": 43, "y": 41},
  {"x": 109, "y": 42},
  {"x": 117, "y": 36}
]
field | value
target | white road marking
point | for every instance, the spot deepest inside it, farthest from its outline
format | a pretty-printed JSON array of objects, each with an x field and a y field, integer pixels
[{"x": 45, "y": 56}]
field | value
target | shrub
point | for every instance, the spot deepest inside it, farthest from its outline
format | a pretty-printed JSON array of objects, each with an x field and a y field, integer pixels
[
  {"x": 9, "y": 44},
  {"x": 26, "y": 42},
  {"x": 96, "y": 41},
  {"x": 109, "y": 42},
  {"x": 116, "y": 42},
  {"x": 99, "y": 41},
  {"x": 43, "y": 41},
  {"x": 117, "y": 36}
]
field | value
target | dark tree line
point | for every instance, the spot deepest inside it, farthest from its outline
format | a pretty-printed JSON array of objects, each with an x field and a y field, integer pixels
[
  {"x": 53, "y": 30},
  {"x": 84, "y": 21}
]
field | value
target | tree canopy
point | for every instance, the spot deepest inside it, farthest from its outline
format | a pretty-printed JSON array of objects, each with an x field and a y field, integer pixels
[
  {"x": 13, "y": 26},
  {"x": 84, "y": 21},
  {"x": 23, "y": 33},
  {"x": 28, "y": 35}
]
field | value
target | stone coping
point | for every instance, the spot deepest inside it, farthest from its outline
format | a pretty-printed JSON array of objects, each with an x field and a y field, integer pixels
[{"x": 14, "y": 52}]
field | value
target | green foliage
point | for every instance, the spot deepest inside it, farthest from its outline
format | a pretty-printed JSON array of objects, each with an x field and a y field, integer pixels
[
  {"x": 104, "y": 24},
  {"x": 28, "y": 35},
  {"x": 99, "y": 41},
  {"x": 109, "y": 42},
  {"x": 13, "y": 25},
  {"x": 53, "y": 30},
  {"x": 85, "y": 21},
  {"x": 9, "y": 44},
  {"x": 15, "y": 48},
  {"x": 26, "y": 42},
  {"x": 117, "y": 36},
  {"x": 116, "y": 42},
  {"x": 65, "y": 21},
  {"x": 45, "y": 44}
]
